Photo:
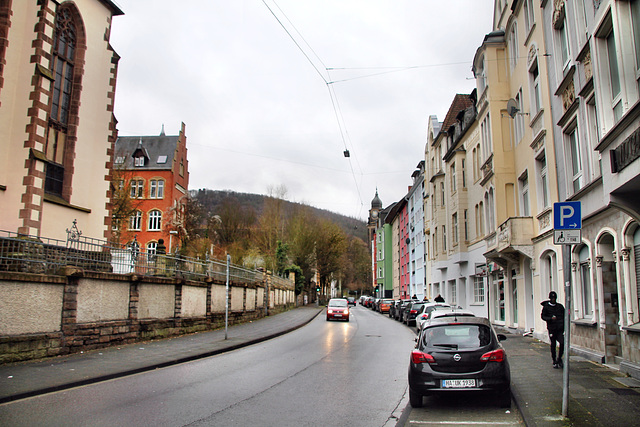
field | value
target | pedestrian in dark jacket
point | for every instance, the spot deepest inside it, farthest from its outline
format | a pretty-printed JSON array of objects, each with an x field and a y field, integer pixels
[
  {"x": 439, "y": 298},
  {"x": 553, "y": 314}
]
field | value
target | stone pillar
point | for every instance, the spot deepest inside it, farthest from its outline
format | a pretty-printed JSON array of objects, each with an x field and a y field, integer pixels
[
  {"x": 626, "y": 277},
  {"x": 161, "y": 258},
  {"x": 600, "y": 288}
]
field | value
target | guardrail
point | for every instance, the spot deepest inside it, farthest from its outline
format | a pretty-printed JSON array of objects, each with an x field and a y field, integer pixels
[{"x": 41, "y": 255}]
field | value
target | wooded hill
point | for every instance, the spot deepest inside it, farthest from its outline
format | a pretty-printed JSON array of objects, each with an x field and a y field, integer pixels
[{"x": 212, "y": 200}]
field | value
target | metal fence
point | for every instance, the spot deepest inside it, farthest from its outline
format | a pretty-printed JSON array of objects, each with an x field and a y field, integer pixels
[{"x": 32, "y": 254}]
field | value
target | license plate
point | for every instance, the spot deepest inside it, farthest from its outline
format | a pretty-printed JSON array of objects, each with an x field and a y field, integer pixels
[
  {"x": 458, "y": 383},
  {"x": 337, "y": 315}
]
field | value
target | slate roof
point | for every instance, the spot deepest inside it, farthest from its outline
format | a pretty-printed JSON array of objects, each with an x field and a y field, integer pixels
[
  {"x": 154, "y": 148},
  {"x": 460, "y": 102}
]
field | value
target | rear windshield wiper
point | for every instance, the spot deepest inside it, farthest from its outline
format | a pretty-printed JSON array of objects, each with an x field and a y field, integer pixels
[{"x": 445, "y": 345}]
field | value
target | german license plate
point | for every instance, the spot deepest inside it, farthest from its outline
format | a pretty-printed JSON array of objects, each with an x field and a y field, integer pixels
[
  {"x": 458, "y": 383},
  {"x": 337, "y": 315}
]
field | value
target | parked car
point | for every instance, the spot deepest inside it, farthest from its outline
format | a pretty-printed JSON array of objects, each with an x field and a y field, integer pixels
[
  {"x": 462, "y": 356},
  {"x": 338, "y": 309},
  {"x": 426, "y": 310},
  {"x": 385, "y": 305},
  {"x": 399, "y": 310},
  {"x": 411, "y": 311},
  {"x": 351, "y": 301}
]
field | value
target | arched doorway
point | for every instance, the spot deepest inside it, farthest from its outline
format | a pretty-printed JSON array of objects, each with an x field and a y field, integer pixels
[{"x": 611, "y": 299}]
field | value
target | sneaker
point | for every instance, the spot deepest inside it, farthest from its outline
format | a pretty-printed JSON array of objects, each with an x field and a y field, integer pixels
[
  {"x": 560, "y": 363},
  {"x": 556, "y": 366}
]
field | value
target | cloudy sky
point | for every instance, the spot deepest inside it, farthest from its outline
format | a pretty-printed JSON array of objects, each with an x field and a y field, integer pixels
[{"x": 273, "y": 92}]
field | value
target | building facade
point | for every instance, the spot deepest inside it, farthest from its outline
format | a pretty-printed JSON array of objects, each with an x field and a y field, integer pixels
[
  {"x": 454, "y": 206},
  {"x": 596, "y": 123},
  {"x": 415, "y": 210},
  {"x": 154, "y": 173},
  {"x": 57, "y": 89}
]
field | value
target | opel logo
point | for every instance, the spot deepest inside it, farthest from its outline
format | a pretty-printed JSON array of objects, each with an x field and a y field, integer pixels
[{"x": 457, "y": 357}]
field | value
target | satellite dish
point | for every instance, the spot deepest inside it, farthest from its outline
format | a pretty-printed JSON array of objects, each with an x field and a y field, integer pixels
[{"x": 512, "y": 108}]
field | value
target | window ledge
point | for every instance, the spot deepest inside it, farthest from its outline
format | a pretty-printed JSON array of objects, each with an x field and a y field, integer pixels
[
  {"x": 584, "y": 322},
  {"x": 59, "y": 201},
  {"x": 632, "y": 328}
]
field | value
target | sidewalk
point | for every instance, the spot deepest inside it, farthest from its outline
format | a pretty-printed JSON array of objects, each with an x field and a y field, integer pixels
[
  {"x": 598, "y": 395},
  {"x": 26, "y": 379}
]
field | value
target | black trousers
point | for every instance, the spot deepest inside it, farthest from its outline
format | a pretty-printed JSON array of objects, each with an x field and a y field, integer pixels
[{"x": 556, "y": 337}]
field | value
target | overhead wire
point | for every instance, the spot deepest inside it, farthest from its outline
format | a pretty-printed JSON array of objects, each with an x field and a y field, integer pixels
[{"x": 334, "y": 101}]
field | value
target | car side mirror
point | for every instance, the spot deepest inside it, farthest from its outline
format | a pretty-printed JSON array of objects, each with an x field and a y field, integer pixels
[{"x": 502, "y": 337}]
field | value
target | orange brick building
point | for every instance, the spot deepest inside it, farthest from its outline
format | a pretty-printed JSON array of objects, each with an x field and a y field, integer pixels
[{"x": 155, "y": 171}]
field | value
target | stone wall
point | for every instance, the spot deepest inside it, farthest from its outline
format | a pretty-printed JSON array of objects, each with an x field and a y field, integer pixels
[{"x": 44, "y": 315}]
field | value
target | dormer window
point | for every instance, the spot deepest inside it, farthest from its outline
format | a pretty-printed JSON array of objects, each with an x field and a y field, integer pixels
[{"x": 138, "y": 161}]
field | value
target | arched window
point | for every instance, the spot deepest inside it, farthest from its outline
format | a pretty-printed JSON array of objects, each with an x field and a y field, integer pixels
[
  {"x": 60, "y": 140},
  {"x": 155, "y": 220},
  {"x": 585, "y": 282},
  {"x": 152, "y": 247},
  {"x": 549, "y": 273},
  {"x": 135, "y": 221}
]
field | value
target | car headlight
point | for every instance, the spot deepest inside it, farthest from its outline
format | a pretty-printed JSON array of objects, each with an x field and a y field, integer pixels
[{"x": 329, "y": 311}]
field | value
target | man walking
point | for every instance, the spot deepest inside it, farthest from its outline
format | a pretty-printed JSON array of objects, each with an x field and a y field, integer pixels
[{"x": 553, "y": 314}]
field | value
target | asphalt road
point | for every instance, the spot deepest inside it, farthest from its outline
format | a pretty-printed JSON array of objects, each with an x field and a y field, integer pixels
[{"x": 325, "y": 373}]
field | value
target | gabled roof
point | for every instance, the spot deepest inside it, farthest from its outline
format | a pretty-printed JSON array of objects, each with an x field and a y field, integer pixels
[{"x": 160, "y": 151}]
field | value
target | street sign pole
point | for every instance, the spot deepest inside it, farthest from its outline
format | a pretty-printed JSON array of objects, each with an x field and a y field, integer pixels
[
  {"x": 567, "y": 231},
  {"x": 566, "y": 268}
]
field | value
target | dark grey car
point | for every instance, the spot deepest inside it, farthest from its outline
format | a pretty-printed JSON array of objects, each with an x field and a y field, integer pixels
[{"x": 459, "y": 356}]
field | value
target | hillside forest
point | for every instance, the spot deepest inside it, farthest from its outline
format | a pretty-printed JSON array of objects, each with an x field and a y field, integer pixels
[{"x": 281, "y": 236}]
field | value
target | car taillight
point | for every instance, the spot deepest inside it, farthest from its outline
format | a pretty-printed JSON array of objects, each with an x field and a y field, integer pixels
[
  {"x": 419, "y": 357},
  {"x": 493, "y": 356},
  {"x": 413, "y": 311}
]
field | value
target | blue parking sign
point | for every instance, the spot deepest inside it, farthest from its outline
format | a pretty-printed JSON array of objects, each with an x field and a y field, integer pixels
[{"x": 567, "y": 216}]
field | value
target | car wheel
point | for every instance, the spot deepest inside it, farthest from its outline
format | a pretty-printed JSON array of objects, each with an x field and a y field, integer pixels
[
  {"x": 328, "y": 319},
  {"x": 504, "y": 398},
  {"x": 415, "y": 399}
]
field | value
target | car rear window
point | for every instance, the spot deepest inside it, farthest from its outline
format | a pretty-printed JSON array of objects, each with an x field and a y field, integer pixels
[{"x": 457, "y": 336}]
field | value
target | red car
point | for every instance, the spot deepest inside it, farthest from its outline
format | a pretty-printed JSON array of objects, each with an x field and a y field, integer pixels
[{"x": 338, "y": 309}]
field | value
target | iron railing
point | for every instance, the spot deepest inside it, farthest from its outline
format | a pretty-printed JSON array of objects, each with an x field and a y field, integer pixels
[{"x": 32, "y": 254}]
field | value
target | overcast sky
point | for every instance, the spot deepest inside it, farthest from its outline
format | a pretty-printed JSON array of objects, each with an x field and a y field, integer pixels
[{"x": 262, "y": 111}]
